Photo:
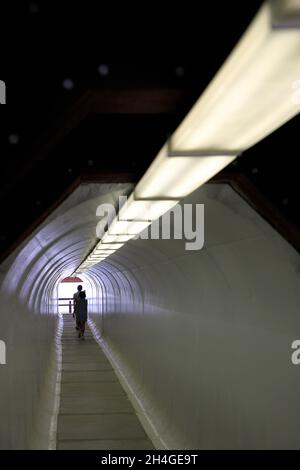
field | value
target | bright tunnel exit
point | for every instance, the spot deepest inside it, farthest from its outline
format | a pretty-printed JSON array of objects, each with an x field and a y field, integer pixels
[{"x": 66, "y": 290}]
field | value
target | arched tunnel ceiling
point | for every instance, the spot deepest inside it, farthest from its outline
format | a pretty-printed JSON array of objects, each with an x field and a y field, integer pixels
[
  {"x": 58, "y": 246},
  {"x": 115, "y": 124}
]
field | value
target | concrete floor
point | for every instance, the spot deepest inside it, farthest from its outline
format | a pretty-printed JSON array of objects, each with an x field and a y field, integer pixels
[{"x": 95, "y": 412}]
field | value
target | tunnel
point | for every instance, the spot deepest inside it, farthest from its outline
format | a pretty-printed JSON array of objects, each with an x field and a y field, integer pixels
[
  {"x": 199, "y": 339},
  {"x": 169, "y": 193}
]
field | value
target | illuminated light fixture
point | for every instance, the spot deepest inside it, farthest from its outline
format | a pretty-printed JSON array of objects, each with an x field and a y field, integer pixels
[
  {"x": 255, "y": 92},
  {"x": 128, "y": 227},
  {"x": 97, "y": 256},
  {"x": 98, "y": 250},
  {"x": 107, "y": 238},
  {"x": 251, "y": 95},
  {"x": 96, "y": 261},
  {"x": 109, "y": 246},
  {"x": 177, "y": 176},
  {"x": 144, "y": 209},
  {"x": 103, "y": 253}
]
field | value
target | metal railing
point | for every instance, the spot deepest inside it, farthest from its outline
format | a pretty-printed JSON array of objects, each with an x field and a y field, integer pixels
[{"x": 68, "y": 304}]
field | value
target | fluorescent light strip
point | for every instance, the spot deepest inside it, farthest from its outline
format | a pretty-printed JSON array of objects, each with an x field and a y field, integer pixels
[
  {"x": 127, "y": 227},
  {"x": 103, "y": 253},
  {"x": 144, "y": 210},
  {"x": 251, "y": 96},
  {"x": 108, "y": 246},
  {"x": 119, "y": 238},
  {"x": 176, "y": 177}
]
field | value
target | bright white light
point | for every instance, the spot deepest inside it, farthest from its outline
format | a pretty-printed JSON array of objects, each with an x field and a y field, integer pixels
[
  {"x": 107, "y": 238},
  {"x": 66, "y": 290},
  {"x": 176, "y": 177},
  {"x": 109, "y": 246},
  {"x": 127, "y": 227},
  {"x": 103, "y": 251},
  {"x": 250, "y": 96},
  {"x": 144, "y": 210},
  {"x": 99, "y": 253}
]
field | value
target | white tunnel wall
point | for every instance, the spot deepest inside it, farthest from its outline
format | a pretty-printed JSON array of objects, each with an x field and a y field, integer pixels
[
  {"x": 28, "y": 314},
  {"x": 29, "y": 334},
  {"x": 204, "y": 337}
]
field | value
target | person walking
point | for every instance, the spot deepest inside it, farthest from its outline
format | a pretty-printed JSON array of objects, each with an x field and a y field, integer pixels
[
  {"x": 81, "y": 313},
  {"x": 75, "y": 299}
]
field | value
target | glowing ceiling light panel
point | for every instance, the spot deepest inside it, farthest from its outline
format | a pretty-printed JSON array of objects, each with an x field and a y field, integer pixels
[
  {"x": 107, "y": 238},
  {"x": 251, "y": 95},
  {"x": 94, "y": 257},
  {"x": 256, "y": 91},
  {"x": 108, "y": 246},
  {"x": 176, "y": 177},
  {"x": 145, "y": 209},
  {"x": 127, "y": 227}
]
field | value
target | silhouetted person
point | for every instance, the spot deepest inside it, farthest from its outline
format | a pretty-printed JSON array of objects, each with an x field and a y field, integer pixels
[
  {"x": 81, "y": 313},
  {"x": 75, "y": 299}
]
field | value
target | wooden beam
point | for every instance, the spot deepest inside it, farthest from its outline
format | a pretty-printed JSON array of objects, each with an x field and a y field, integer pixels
[
  {"x": 109, "y": 178},
  {"x": 106, "y": 101},
  {"x": 136, "y": 101},
  {"x": 256, "y": 199}
]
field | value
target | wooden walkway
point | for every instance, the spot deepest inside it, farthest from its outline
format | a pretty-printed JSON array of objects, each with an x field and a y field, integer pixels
[{"x": 95, "y": 412}]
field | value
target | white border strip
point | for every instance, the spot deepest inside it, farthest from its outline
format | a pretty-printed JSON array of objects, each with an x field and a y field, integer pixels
[
  {"x": 142, "y": 414},
  {"x": 57, "y": 389}
]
